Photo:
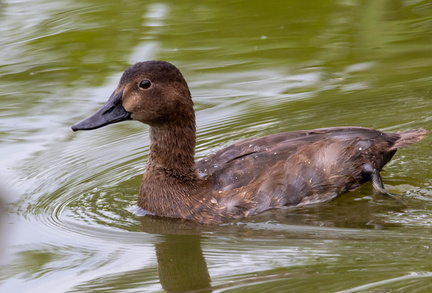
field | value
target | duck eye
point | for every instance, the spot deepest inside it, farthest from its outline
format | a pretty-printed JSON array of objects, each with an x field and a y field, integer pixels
[{"x": 144, "y": 84}]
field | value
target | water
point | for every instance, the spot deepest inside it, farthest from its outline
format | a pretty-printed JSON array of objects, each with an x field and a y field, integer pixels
[{"x": 253, "y": 69}]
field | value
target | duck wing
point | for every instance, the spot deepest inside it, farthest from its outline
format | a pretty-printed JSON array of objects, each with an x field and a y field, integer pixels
[{"x": 246, "y": 161}]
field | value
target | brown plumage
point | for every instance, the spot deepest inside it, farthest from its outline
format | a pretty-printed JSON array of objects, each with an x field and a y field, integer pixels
[{"x": 248, "y": 177}]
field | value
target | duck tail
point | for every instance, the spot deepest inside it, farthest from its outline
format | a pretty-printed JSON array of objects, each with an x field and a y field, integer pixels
[{"x": 409, "y": 137}]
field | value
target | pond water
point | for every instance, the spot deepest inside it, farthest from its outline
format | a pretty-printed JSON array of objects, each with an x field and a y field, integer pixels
[{"x": 254, "y": 68}]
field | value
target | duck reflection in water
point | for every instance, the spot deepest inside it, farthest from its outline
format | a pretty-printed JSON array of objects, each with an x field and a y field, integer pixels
[
  {"x": 182, "y": 245},
  {"x": 249, "y": 177},
  {"x": 181, "y": 263}
]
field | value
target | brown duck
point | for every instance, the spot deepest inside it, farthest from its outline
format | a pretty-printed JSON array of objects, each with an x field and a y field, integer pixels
[{"x": 248, "y": 177}]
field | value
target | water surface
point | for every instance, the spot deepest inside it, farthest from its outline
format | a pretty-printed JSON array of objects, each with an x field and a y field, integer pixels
[{"x": 253, "y": 69}]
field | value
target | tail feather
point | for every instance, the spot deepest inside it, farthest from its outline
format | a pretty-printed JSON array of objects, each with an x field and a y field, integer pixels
[{"x": 409, "y": 137}]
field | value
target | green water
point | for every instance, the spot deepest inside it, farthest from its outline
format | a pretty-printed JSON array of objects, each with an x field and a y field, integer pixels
[{"x": 254, "y": 68}]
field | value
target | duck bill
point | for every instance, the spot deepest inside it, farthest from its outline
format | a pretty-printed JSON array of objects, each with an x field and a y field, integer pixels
[{"x": 111, "y": 112}]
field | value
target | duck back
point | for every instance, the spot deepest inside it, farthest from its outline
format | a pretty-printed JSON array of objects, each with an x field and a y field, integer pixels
[{"x": 302, "y": 167}]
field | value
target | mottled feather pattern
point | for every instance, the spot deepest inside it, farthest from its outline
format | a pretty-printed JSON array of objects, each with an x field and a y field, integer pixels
[{"x": 329, "y": 163}]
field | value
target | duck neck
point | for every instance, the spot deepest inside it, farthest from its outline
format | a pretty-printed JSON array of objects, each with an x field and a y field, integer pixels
[{"x": 172, "y": 149}]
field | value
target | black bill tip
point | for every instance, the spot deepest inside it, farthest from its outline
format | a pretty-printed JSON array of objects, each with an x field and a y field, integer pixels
[{"x": 111, "y": 112}]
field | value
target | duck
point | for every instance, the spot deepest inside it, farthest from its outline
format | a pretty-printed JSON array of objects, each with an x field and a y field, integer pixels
[{"x": 251, "y": 176}]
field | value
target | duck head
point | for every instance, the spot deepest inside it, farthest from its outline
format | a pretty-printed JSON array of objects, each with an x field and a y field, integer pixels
[{"x": 153, "y": 92}]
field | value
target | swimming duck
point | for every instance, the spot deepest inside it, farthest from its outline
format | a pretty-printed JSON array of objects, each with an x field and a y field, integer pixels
[{"x": 251, "y": 176}]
